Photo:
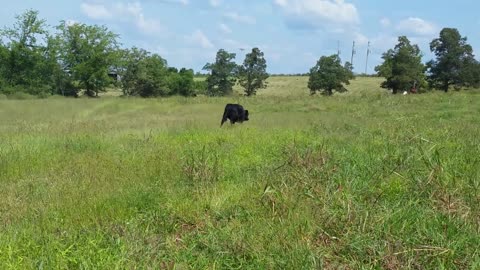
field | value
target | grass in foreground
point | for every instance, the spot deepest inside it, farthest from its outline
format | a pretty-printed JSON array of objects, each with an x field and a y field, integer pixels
[{"x": 355, "y": 181}]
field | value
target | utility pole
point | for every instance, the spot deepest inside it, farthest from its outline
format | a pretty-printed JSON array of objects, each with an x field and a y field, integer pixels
[
  {"x": 353, "y": 53},
  {"x": 368, "y": 54}
]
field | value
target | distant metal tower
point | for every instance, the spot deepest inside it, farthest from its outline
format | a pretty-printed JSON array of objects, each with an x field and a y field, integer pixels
[
  {"x": 353, "y": 53},
  {"x": 368, "y": 54}
]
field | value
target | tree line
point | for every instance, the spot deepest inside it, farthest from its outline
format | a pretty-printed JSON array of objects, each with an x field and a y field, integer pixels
[
  {"x": 454, "y": 66},
  {"x": 78, "y": 59}
]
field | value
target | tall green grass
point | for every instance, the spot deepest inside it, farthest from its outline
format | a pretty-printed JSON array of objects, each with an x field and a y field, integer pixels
[{"x": 362, "y": 180}]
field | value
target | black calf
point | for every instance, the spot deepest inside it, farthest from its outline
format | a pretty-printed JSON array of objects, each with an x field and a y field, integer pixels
[{"x": 235, "y": 113}]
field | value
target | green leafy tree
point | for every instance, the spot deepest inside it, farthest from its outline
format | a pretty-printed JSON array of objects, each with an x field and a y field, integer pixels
[
  {"x": 3, "y": 65},
  {"x": 131, "y": 67},
  {"x": 200, "y": 86},
  {"x": 252, "y": 75},
  {"x": 24, "y": 63},
  {"x": 402, "y": 66},
  {"x": 453, "y": 54},
  {"x": 470, "y": 73},
  {"x": 154, "y": 80},
  {"x": 144, "y": 74},
  {"x": 54, "y": 72},
  {"x": 348, "y": 66},
  {"x": 222, "y": 78},
  {"x": 329, "y": 75},
  {"x": 87, "y": 53},
  {"x": 181, "y": 82},
  {"x": 386, "y": 68}
]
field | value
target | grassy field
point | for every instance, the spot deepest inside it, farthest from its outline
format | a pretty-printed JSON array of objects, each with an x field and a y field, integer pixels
[{"x": 363, "y": 180}]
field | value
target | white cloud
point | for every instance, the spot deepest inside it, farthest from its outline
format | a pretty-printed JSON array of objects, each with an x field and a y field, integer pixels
[
  {"x": 215, "y": 3},
  {"x": 225, "y": 29},
  {"x": 120, "y": 11},
  {"x": 240, "y": 18},
  {"x": 96, "y": 11},
  {"x": 149, "y": 26},
  {"x": 317, "y": 11},
  {"x": 385, "y": 22},
  {"x": 282, "y": 3},
  {"x": 129, "y": 9},
  {"x": 182, "y": 2},
  {"x": 417, "y": 26},
  {"x": 199, "y": 38}
]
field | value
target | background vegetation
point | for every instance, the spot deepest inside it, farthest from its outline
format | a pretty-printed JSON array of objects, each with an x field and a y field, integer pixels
[{"x": 77, "y": 59}]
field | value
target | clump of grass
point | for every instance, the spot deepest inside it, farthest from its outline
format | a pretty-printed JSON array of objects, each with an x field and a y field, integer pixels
[{"x": 202, "y": 166}]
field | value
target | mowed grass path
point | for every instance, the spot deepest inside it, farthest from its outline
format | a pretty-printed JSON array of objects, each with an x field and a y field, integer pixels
[{"x": 359, "y": 180}]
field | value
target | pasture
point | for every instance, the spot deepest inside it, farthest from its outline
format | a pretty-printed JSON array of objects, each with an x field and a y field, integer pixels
[{"x": 361, "y": 180}]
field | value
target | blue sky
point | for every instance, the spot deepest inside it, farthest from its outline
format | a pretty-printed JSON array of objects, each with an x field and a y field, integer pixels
[{"x": 292, "y": 33}]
